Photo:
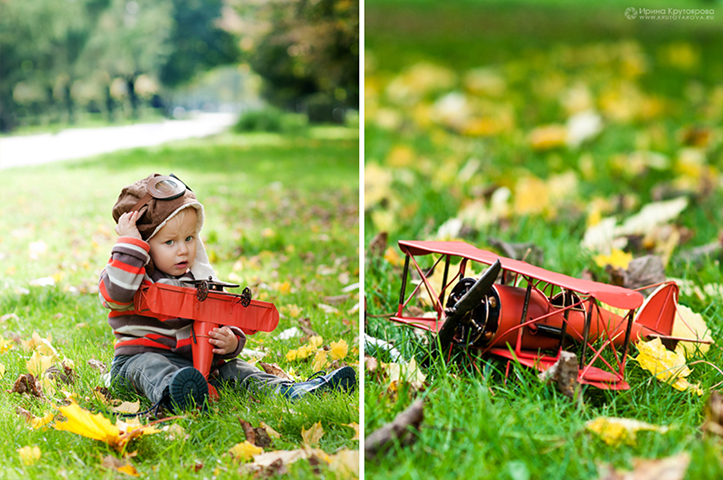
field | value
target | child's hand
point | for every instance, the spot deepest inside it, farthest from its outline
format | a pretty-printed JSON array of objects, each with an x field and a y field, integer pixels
[
  {"x": 224, "y": 340},
  {"x": 127, "y": 225}
]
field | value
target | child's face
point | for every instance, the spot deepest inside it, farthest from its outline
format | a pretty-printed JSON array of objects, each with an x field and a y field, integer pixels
[{"x": 173, "y": 248}]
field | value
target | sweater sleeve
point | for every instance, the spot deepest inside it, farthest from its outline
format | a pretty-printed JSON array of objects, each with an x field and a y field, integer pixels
[
  {"x": 241, "y": 337},
  {"x": 122, "y": 277}
]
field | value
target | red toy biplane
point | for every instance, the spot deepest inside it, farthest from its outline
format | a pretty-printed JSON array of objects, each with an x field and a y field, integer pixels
[
  {"x": 209, "y": 306},
  {"x": 531, "y": 314}
]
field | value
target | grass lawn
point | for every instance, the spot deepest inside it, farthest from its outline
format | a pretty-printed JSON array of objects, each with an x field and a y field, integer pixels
[
  {"x": 471, "y": 110},
  {"x": 281, "y": 217}
]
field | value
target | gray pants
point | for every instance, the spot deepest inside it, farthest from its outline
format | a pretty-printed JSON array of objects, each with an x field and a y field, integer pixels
[{"x": 149, "y": 374}]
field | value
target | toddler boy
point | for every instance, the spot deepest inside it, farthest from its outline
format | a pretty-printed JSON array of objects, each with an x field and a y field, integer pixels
[{"x": 158, "y": 222}]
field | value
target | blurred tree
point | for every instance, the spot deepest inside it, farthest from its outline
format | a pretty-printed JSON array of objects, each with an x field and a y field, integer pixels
[
  {"x": 133, "y": 38},
  {"x": 199, "y": 43},
  {"x": 40, "y": 43},
  {"x": 306, "y": 51},
  {"x": 102, "y": 52}
]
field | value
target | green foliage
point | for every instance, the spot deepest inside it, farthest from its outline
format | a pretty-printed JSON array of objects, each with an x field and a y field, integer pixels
[
  {"x": 297, "y": 197},
  {"x": 199, "y": 43},
  {"x": 302, "y": 49},
  {"x": 102, "y": 55},
  {"x": 270, "y": 119}
]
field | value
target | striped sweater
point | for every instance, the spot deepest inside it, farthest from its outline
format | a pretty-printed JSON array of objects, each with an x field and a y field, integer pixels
[{"x": 119, "y": 282}]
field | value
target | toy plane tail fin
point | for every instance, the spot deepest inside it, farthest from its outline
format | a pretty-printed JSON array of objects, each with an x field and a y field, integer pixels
[{"x": 657, "y": 315}]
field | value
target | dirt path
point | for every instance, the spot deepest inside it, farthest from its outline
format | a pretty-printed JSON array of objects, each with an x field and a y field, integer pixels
[{"x": 85, "y": 142}]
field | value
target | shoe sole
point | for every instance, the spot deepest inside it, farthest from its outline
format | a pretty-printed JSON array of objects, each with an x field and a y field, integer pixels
[
  {"x": 344, "y": 379},
  {"x": 188, "y": 388}
]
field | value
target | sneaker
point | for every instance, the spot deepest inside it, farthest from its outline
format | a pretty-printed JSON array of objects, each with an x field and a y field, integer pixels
[
  {"x": 187, "y": 389},
  {"x": 343, "y": 379}
]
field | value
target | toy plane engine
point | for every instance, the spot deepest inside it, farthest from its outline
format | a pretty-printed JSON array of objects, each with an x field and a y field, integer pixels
[{"x": 492, "y": 322}]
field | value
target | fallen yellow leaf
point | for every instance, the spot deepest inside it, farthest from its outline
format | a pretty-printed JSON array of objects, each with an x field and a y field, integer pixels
[
  {"x": 548, "y": 137},
  {"x": 245, "y": 451},
  {"x": 121, "y": 465},
  {"x": 40, "y": 344},
  {"x": 312, "y": 436},
  {"x": 38, "y": 422},
  {"x": 689, "y": 324},
  {"x": 665, "y": 365},
  {"x": 617, "y": 258},
  {"x": 97, "y": 427},
  {"x": 38, "y": 364},
  {"x": 287, "y": 456},
  {"x": 129, "y": 470},
  {"x": 320, "y": 361},
  {"x": 83, "y": 423},
  {"x": 5, "y": 345},
  {"x": 391, "y": 256},
  {"x": 339, "y": 349},
  {"x": 316, "y": 341},
  {"x": 128, "y": 407},
  {"x": 305, "y": 351},
  {"x": 2, "y": 370},
  {"x": 409, "y": 373},
  {"x": 294, "y": 310},
  {"x": 272, "y": 433},
  {"x": 354, "y": 426},
  {"x": 345, "y": 463},
  {"x": 29, "y": 455},
  {"x": 532, "y": 196},
  {"x": 614, "y": 431}
]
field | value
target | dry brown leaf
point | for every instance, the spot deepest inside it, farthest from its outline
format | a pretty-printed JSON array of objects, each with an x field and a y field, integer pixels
[
  {"x": 529, "y": 252},
  {"x": 9, "y": 316},
  {"x": 255, "y": 435},
  {"x": 248, "y": 431},
  {"x": 644, "y": 271},
  {"x": 378, "y": 245},
  {"x": 336, "y": 299},
  {"x": 98, "y": 365},
  {"x": 128, "y": 407},
  {"x": 670, "y": 468},
  {"x": 175, "y": 432},
  {"x": 305, "y": 326},
  {"x": 27, "y": 383},
  {"x": 371, "y": 364},
  {"x": 714, "y": 415},
  {"x": 564, "y": 373},
  {"x": 102, "y": 394},
  {"x": 121, "y": 465},
  {"x": 403, "y": 428},
  {"x": 274, "y": 369},
  {"x": 276, "y": 468},
  {"x": 287, "y": 456}
]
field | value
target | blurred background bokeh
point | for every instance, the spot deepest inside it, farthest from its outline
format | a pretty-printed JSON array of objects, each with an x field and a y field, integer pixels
[
  {"x": 487, "y": 113},
  {"x": 95, "y": 62}
]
